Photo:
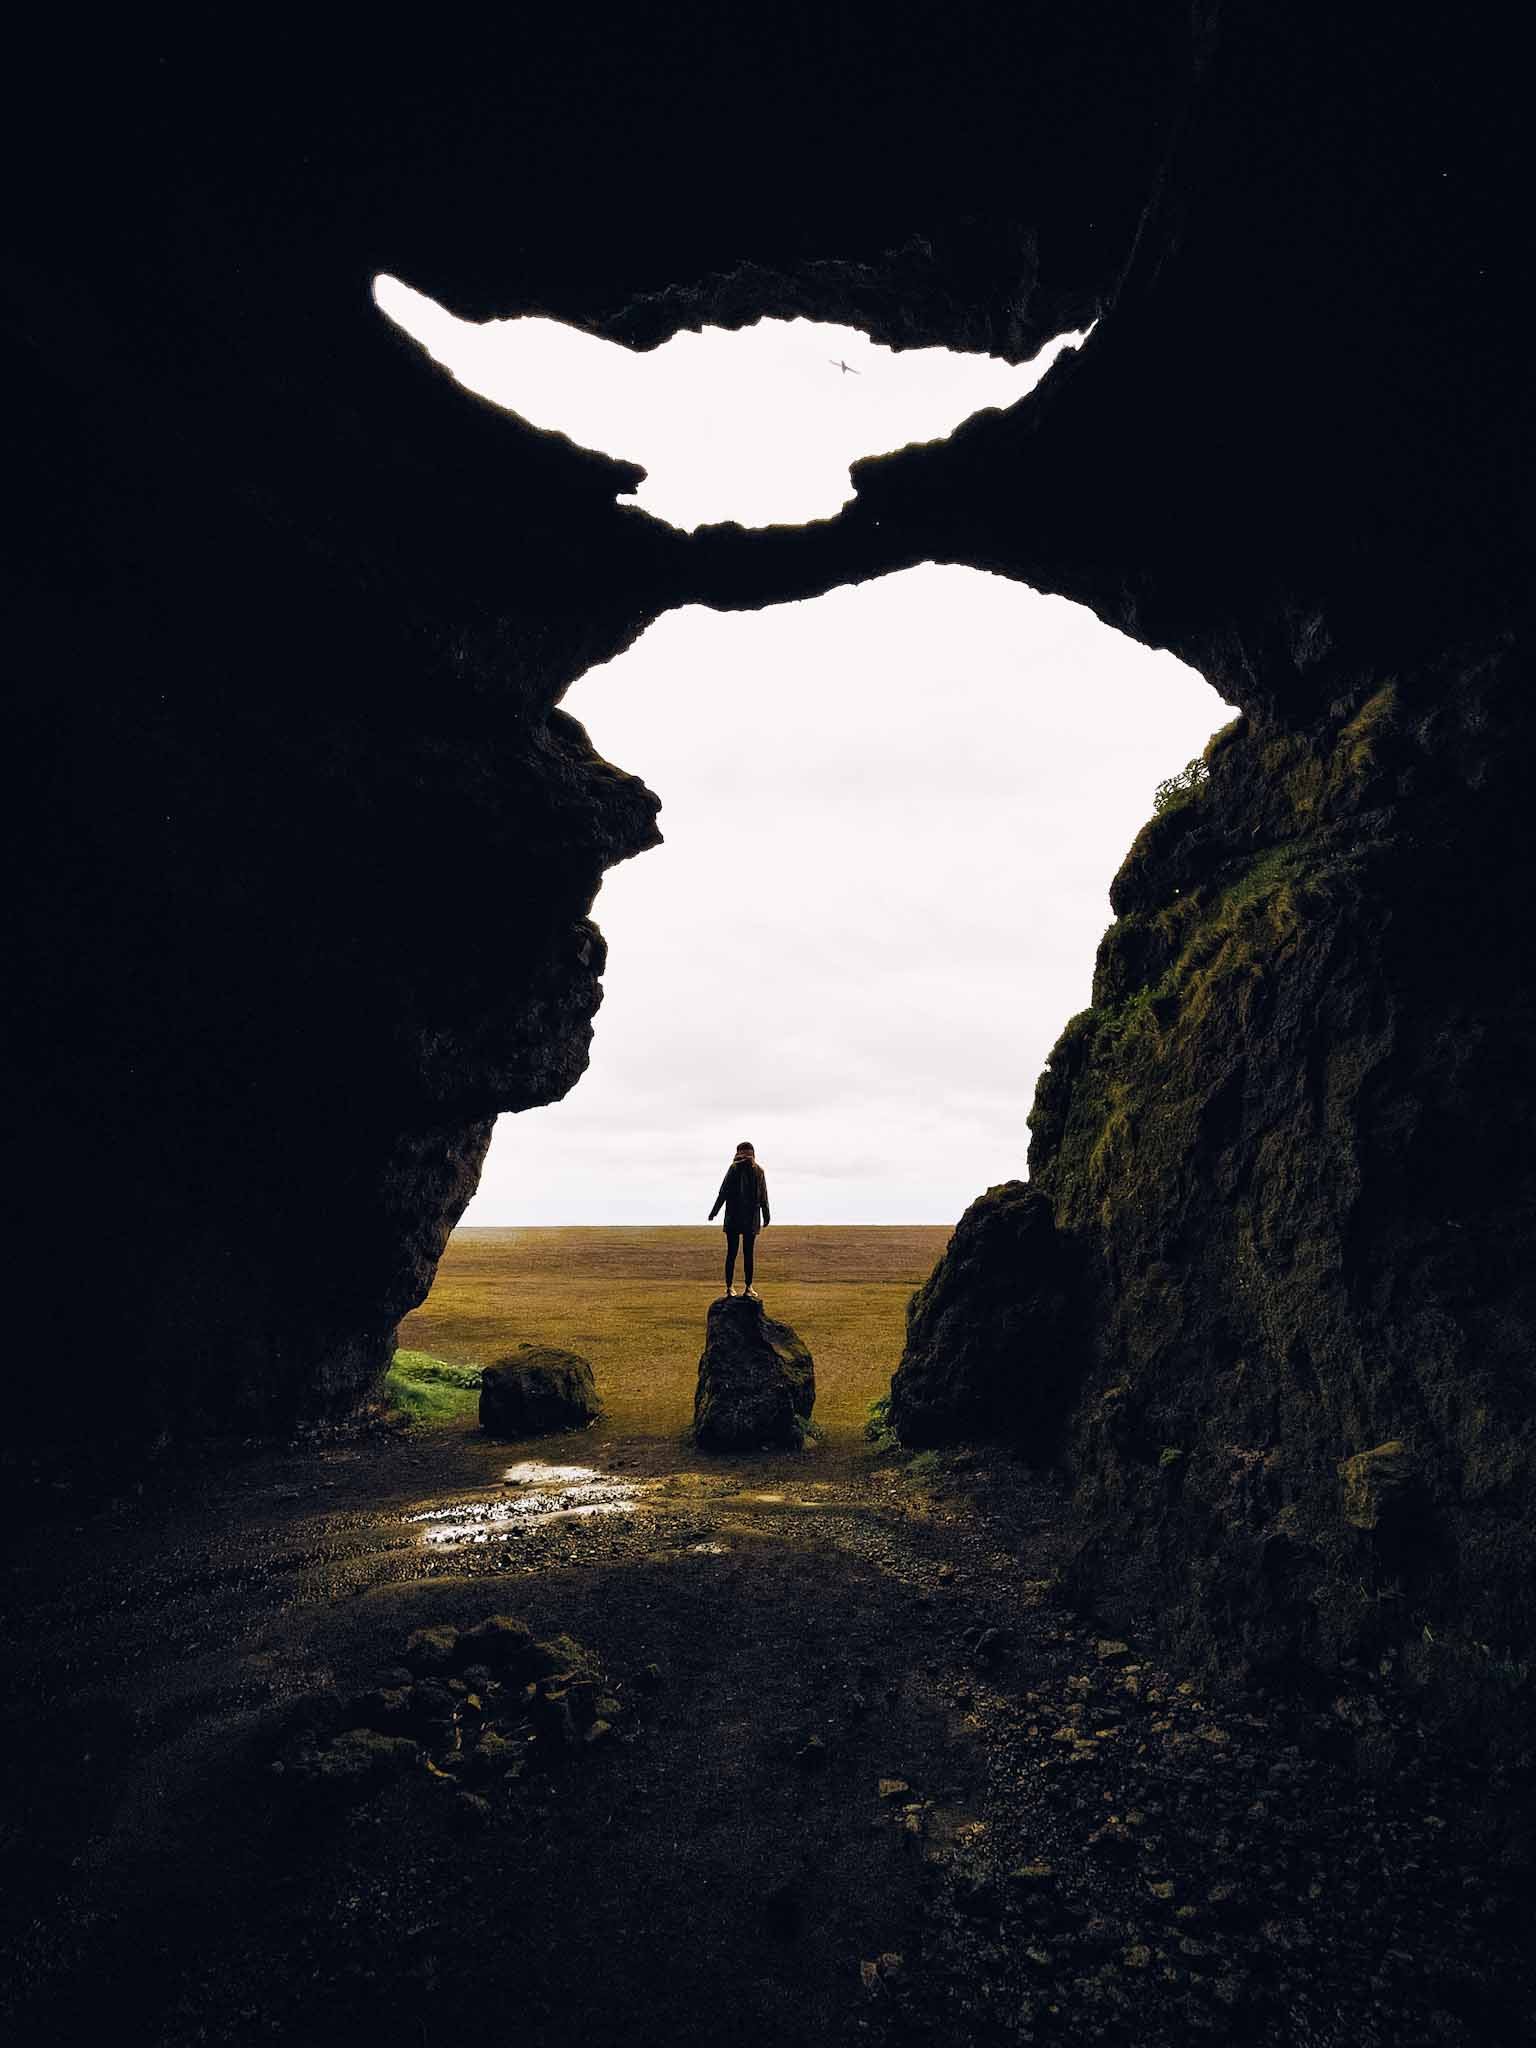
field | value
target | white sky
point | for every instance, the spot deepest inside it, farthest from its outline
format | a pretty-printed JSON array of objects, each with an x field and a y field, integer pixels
[
  {"x": 759, "y": 425},
  {"x": 891, "y": 814}
]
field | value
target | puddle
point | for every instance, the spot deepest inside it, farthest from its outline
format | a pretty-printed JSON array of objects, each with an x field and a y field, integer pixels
[
  {"x": 533, "y": 1472},
  {"x": 533, "y": 1494}
]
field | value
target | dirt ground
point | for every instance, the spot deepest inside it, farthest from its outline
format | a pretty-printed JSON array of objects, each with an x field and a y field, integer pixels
[{"x": 860, "y": 1775}]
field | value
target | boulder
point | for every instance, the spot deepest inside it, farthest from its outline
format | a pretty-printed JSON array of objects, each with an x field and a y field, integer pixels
[
  {"x": 990, "y": 1349},
  {"x": 757, "y": 1381},
  {"x": 536, "y": 1389}
]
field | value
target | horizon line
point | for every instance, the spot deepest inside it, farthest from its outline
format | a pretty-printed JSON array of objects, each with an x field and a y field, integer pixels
[{"x": 935, "y": 1223}]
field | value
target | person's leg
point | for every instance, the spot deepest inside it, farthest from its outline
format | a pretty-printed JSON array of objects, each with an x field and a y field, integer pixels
[
  {"x": 748, "y": 1240},
  {"x": 730, "y": 1257}
]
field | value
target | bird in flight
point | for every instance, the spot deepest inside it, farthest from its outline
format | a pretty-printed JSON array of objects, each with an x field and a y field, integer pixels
[{"x": 847, "y": 368}]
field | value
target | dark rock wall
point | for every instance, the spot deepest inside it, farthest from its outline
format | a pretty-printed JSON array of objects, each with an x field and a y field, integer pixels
[
  {"x": 309, "y": 849},
  {"x": 1279, "y": 1237},
  {"x": 1287, "y": 1152},
  {"x": 302, "y": 849}
]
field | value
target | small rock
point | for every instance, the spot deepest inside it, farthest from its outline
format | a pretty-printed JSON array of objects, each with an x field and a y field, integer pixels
[
  {"x": 497, "y": 1645},
  {"x": 1110, "y": 1649},
  {"x": 493, "y": 1755},
  {"x": 946, "y": 1574},
  {"x": 386, "y": 1708},
  {"x": 471, "y": 1810},
  {"x": 560, "y": 1655},
  {"x": 892, "y": 1788},
  {"x": 812, "y": 1756},
  {"x": 431, "y": 1650},
  {"x": 430, "y": 1708},
  {"x": 553, "y": 1723},
  {"x": 358, "y": 1763}
]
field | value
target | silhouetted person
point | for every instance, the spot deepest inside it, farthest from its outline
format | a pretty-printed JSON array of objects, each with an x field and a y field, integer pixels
[{"x": 744, "y": 1197}]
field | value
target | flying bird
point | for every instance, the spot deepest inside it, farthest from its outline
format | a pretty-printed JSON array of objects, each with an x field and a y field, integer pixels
[{"x": 847, "y": 368}]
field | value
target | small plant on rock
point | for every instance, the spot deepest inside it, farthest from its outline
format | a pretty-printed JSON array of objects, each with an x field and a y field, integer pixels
[
  {"x": 1178, "y": 790},
  {"x": 878, "y": 1430}
]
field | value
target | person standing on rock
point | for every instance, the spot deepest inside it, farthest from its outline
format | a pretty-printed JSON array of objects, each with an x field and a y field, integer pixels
[{"x": 744, "y": 1197}]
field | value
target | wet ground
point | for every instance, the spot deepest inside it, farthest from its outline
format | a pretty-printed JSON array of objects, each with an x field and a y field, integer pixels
[{"x": 860, "y": 1776}]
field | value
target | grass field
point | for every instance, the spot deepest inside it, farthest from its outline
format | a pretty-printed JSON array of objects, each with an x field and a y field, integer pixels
[{"x": 634, "y": 1303}]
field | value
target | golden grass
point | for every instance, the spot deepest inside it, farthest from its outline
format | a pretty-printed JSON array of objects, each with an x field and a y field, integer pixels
[{"x": 634, "y": 1303}]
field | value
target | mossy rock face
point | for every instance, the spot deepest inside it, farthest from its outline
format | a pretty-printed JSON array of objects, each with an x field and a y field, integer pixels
[
  {"x": 757, "y": 1381},
  {"x": 989, "y": 1341},
  {"x": 536, "y": 1390},
  {"x": 1266, "y": 1292}
]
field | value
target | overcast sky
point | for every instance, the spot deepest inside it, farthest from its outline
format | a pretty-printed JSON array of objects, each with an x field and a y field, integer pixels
[
  {"x": 759, "y": 425},
  {"x": 891, "y": 814}
]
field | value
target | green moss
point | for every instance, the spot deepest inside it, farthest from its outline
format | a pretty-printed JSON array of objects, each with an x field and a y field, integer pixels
[
  {"x": 420, "y": 1366},
  {"x": 1358, "y": 747},
  {"x": 1119, "y": 1106},
  {"x": 878, "y": 1430},
  {"x": 1303, "y": 786},
  {"x": 1228, "y": 736},
  {"x": 424, "y": 1391}
]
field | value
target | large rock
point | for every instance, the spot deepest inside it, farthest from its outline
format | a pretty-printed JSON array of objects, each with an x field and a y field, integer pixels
[
  {"x": 757, "y": 1381},
  {"x": 987, "y": 1344},
  {"x": 537, "y": 1389}
]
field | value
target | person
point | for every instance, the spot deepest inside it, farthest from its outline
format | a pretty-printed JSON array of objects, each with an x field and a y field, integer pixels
[{"x": 744, "y": 1197}]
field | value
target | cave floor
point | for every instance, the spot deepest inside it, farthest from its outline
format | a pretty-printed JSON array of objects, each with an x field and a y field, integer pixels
[{"x": 830, "y": 1807}]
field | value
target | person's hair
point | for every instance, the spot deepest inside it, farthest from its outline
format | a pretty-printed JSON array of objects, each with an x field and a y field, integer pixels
[{"x": 744, "y": 1150}]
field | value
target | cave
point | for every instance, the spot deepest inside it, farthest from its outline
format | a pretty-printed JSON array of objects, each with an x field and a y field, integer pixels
[{"x": 292, "y": 612}]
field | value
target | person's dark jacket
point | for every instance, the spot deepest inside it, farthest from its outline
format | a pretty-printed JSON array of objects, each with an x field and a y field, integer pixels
[{"x": 743, "y": 1192}]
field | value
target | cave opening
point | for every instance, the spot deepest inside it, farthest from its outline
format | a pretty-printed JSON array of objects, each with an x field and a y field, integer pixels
[
  {"x": 890, "y": 813},
  {"x": 890, "y": 816}
]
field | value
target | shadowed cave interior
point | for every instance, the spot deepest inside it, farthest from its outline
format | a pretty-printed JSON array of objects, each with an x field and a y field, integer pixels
[{"x": 292, "y": 611}]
